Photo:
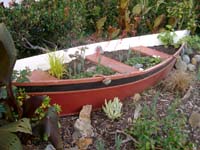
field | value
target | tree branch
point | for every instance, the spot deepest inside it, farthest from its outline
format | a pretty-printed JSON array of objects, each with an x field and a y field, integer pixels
[{"x": 30, "y": 46}]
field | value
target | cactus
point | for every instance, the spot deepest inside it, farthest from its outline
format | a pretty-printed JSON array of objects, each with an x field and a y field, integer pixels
[{"x": 113, "y": 109}]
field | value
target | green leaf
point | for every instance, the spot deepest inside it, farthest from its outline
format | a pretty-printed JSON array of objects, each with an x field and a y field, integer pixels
[
  {"x": 3, "y": 93},
  {"x": 100, "y": 23},
  {"x": 9, "y": 141},
  {"x": 124, "y": 4},
  {"x": 8, "y": 54},
  {"x": 22, "y": 125},
  {"x": 158, "y": 21},
  {"x": 137, "y": 9}
]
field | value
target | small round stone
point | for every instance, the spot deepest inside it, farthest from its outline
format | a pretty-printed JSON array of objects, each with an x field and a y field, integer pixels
[{"x": 186, "y": 59}]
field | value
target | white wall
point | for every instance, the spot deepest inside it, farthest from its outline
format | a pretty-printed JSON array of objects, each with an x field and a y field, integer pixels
[{"x": 7, "y": 1}]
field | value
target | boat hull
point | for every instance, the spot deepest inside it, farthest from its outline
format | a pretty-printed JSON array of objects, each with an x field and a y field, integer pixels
[
  {"x": 72, "y": 94},
  {"x": 72, "y": 100}
]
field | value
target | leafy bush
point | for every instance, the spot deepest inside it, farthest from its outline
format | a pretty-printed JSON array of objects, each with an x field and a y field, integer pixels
[
  {"x": 37, "y": 22},
  {"x": 65, "y": 23},
  {"x": 192, "y": 42},
  {"x": 154, "y": 132}
]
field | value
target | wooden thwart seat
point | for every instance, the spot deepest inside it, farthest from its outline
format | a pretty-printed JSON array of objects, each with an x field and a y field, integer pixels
[
  {"x": 111, "y": 63},
  {"x": 150, "y": 52}
]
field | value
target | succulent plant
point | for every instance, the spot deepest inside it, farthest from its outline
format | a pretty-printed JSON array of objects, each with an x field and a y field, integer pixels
[{"x": 113, "y": 109}]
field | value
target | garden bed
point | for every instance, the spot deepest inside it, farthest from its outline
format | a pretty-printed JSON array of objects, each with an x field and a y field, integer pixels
[
  {"x": 106, "y": 130},
  {"x": 86, "y": 69}
]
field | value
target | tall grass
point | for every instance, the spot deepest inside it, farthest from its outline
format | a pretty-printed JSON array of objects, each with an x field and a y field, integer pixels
[{"x": 57, "y": 67}]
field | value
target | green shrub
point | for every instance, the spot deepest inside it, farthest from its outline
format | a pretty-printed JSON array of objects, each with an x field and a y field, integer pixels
[
  {"x": 66, "y": 22},
  {"x": 36, "y": 22}
]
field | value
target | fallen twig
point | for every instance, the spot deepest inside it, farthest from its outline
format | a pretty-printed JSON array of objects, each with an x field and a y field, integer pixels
[
  {"x": 188, "y": 93},
  {"x": 128, "y": 137}
]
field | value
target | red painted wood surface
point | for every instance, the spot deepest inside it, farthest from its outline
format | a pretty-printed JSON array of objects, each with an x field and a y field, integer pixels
[
  {"x": 111, "y": 63},
  {"x": 150, "y": 52},
  {"x": 39, "y": 75}
]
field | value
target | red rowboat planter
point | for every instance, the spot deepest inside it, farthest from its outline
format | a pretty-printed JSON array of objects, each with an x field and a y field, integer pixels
[{"x": 72, "y": 94}]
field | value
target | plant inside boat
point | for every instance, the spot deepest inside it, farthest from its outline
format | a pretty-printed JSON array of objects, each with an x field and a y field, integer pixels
[
  {"x": 113, "y": 108},
  {"x": 57, "y": 67},
  {"x": 91, "y": 72},
  {"x": 81, "y": 68},
  {"x": 167, "y": 37},
  {"x": 133, "y": 58},
  {"x": 145, "y": 62},
  {"x": 21, "y": 76}
]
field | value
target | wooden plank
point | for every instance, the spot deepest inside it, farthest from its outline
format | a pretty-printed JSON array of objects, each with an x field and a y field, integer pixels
[
  {"x": 150, "y": 52},
  {"x": 39, "y": 75},
  {"x": 111, "y": 63}
]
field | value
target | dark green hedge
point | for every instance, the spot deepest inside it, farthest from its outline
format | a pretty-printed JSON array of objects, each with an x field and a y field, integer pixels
[{"x": 65, "y": 22}]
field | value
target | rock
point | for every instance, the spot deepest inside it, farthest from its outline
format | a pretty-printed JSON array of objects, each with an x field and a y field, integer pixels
[
  {"x": 83, "y": 143},
  {"x": 107, "y": 81},
  {"x": 137, "y": 97},
  {"x": 50, "y": 147},
  {"x": 91, "y": 69},
  {"x": 197, "y": 57},
  {"x": 191, "y": 67},
  {"x": 82, "y": 126},
  {"x": 187, "y": 50},
  {"x": 137, "y": 111},
  {"x": 138, "y": 66},
  {"x": 194, "y": 61},
  {"x": 194, "y": 120},
  {"x": 180, "y": 65},
  {"x": 186, "y": 59}
]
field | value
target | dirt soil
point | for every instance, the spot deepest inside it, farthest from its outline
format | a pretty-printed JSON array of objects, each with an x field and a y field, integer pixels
[{"x": 105, "y": 129}]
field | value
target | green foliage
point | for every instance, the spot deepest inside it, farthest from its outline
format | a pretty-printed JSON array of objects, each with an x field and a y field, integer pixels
[
  {"x": 146, "y": 61},
  {"x": 167, "y": 37},
  {"x": 21, "y": 76},
  {"x": 41, "y": 111},
  {"x": 113, "y": 109},
  {"x": 192, "y": 42},
  {"x": 183, "y": 13},
  {"x": 2, "y": 110},
  {"x": 3, "y": 92},
  {"x": 118, "y": 142},
  {"x": 36, "y": 22},
  {"x": 154, "y": 132},
  {"x": 100, "y": 70},
  {"x": 100, "y": 145},
  {"x": 57, "y": 67},
  {"x": 65, "y": 23},
  {"x": 10, "y": 141}
]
